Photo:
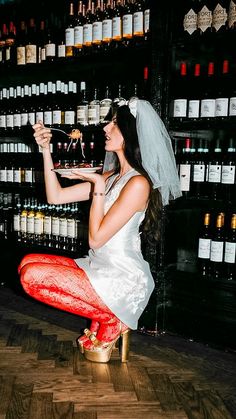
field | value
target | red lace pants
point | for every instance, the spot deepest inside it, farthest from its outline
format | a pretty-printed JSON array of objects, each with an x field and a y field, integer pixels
[{"x": 59, "y": 282}]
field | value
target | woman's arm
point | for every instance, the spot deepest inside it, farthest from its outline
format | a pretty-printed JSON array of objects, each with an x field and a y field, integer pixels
[
  {"x": 133, "y": 198},
  {"x": 55, "y": 193}
]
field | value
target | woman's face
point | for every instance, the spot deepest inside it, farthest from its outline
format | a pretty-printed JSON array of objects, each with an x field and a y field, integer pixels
[{"x": 114, "y": 139}]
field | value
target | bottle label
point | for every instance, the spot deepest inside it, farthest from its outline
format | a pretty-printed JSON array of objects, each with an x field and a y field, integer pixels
[
  {"x": 17, "y": 120},
  {"x": 107, "y": 30},
  {"x": 38, "y": 225},
  {"x": 93, "y": 114},
  {"x": 228, "y": 175},
  {"x": 30, "y": 224},
  {"x": 198, "y": 173},
  {"x": 24, "y": 119},
  {"x": 48, "y": 117},
  {"x": 88, "y": 34},
  {"x": 50, "y": 50},
  {"x": 190, "y": 22},
  {"x": 61, "y": 51},
  {"x": 23, "y": 223},
  {"x": 69, "y": 37},
  {"x": 184, "y": 175},
  {"x": 3, "y": 121},
  {"x": 40, "y": 116},
  {"x": 42, "y": 54},
  {"x": 97, "y": 32},
  {"x": 230, "y": 250},
  {"x": 21, "y": 56},
  {"x": 138, "y": 23},
  {"x": 56, "y": 117},
  {"x": 10, "y": 173},
  {"x": 3, "y": 175},
  {"x": 78, "y": 36},
  {"x": 82, "y": 115},
  {"x": 47, "y": 225},
  {"x": 232, "y": 106},
  {"x": 63, "y": 227},
  {"x": 70, "y": 117},
  {"x": 146, "y": 20},
  {"x": 29, "y": 175},
  {"x": 10, "y": 123},
  {"x": 193, "y": 108},
  {"x": 204, "y": 19},
  {"x": 222, "y": 105},
  {"x": 216, "y": 254},
  {"x": 204, "y": 246},
  {"x": 208, "y": 108},
  {"x": 116, "y": 28},
  {"x": 71, "y": 228},
  {"x": 219, "y": 17},
  {"x": 214, "y": 173},
  {"x": 180, "y": 108},
  {"x": 127, "y": 26},
  {"x": 55, "y": 226},
  {"x": 16, "y": 222},
  {"x": 104, "y": 109},
  {"x": 17, "y": 176},
  {"x": 1, "y": 56},
  {"x": 32, "y": 118},
  {"x": 232, "y": 14},
  {"x": 31, "y": 54}
]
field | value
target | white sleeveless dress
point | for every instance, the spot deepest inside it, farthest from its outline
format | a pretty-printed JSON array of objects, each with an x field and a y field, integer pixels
[{"x": 117, "y": 270}]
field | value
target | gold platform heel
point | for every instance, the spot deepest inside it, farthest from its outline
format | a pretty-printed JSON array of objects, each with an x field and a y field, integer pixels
[{"x": 101, "y": 351}]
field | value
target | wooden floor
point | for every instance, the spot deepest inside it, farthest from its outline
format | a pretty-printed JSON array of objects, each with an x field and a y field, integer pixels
[{"x": 43, "y": 376}]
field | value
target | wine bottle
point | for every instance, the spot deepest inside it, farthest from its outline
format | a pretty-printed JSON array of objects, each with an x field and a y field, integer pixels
[
  {"x": 94, "y": 109},
  {"x": 41, "y": 42},
  {"x": 69, "y": 33},
  {"x": 198, "y": 173},
  {"x": 228, "y": 176},
  {"x": 105, "y": 104},
  {"x": 207, "y": 105},
  {"x": 97, "y": 28},
  {"x": 107, "y": 25},
  {"x": 117, "y": 25},
  {"x": 222, "y": 98},
  {"x": 78, "y": 30},
  {"x": 127, "y": 23},
  {"x": 31, "y": 43},
  {"x": 82, "y": 107},
  {"x": 195, "y": 95},
  {"x": 185, "y": 168},
  {"x": 20, "y": 44},
  {"x": 10, "y": 44},
  {"x": 204, "y": 246},
  {"x": 179, "y": 105},
  {"x": 214, "y": 171},
  {"x": 230, "y": 250},
  {"x": 217, "y": 248},
  {"x": 138, "y": 22},
  {"x": 88, "y": 28}
]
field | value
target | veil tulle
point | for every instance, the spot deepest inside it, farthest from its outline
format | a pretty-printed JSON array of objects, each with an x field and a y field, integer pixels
[{"x": 156, "y": 150}]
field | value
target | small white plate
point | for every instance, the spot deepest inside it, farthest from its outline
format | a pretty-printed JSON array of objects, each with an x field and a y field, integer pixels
[{"x": 69, "y": 171}]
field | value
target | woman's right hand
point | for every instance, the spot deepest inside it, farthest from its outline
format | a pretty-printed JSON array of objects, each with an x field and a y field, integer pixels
[{"x": 42, "y": 135}]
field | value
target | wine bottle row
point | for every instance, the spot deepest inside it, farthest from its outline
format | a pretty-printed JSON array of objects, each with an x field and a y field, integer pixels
[
  {"x": 60, "y": 103},
  {"x": 204, "y": 18},
  {"x": 205, "y": 174},
  {"x": 217, "y": 247},
  {"x": 87, "y": 30},
  {"x": 204, "y": 95},
  {"x": 35, "y": 223}
]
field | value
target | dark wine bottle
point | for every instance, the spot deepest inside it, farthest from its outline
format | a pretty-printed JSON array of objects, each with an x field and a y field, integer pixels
[
  {"x": 185, "y": 168},
  {"x": 228, "y": 177},
  {"x": 179, "y": 105},
  {"x": 204, "y": 246},
  {"x": 198, "y": 173},
  {"x": 195, "y": 94},
  {"x": 230, "y": 250},
  {"x": 207, "y": 106},
  {"x": 217, "y": 248},
  {"x": 214, "y": 171}
]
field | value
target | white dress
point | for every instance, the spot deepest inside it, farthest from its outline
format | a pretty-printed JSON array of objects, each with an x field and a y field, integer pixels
[{"x": 117, "y": 270}]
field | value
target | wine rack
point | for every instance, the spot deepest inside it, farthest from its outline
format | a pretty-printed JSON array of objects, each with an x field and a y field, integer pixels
[{"x": 200, "y": 258}]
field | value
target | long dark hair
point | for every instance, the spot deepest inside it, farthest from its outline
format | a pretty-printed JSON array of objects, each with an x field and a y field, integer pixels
[{"x": 126, "y": 123}]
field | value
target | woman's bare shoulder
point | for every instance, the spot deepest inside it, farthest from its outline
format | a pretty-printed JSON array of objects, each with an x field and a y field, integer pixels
[{"x": 138, "y": 183}]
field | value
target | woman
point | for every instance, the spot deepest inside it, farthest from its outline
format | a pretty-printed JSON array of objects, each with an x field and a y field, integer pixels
[{"x": 112, "y": 285}]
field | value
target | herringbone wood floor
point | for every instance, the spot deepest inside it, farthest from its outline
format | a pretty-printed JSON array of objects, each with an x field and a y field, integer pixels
[{"x": 43, "y": 376}]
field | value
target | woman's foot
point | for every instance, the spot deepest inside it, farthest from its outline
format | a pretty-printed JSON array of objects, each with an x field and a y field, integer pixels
[{"x": 84, "y": 340}]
